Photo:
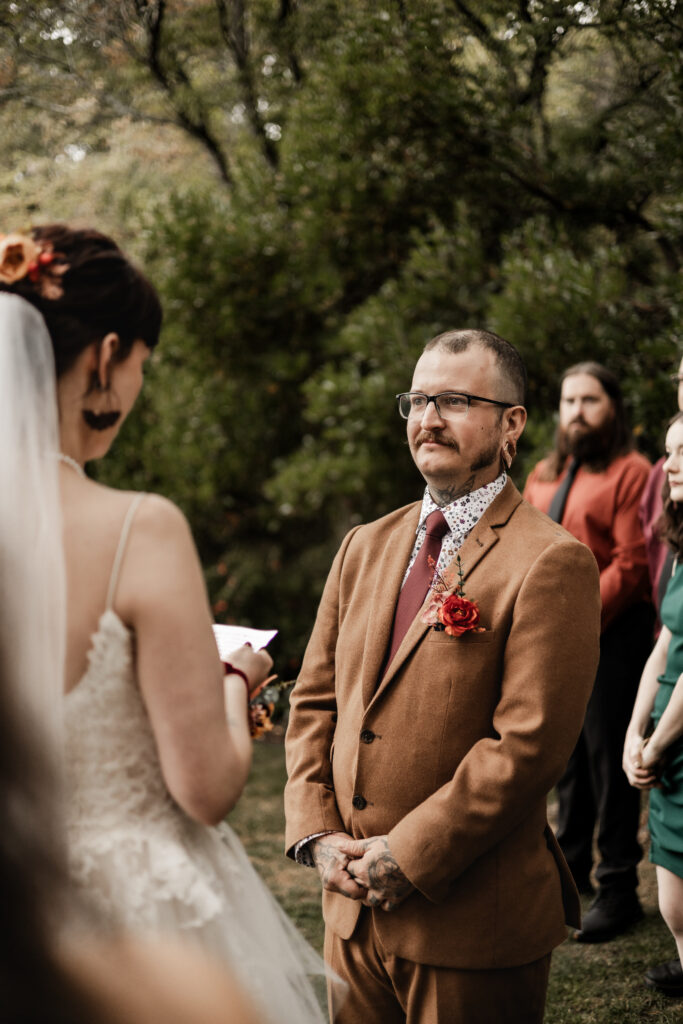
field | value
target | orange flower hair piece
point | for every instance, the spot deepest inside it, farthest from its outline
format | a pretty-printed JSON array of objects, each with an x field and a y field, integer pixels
[{"x": 21, "y": 257}]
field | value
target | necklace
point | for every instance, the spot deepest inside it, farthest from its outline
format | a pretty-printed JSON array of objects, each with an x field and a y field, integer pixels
[{"x": 70, "y": 462}]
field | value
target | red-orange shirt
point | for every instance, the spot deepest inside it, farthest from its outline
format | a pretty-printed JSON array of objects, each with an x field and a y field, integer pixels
[{"x": 602, "y": 512}]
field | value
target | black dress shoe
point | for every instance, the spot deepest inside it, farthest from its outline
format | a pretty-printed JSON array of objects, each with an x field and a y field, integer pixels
[
  {"x": 666, "y": 978},
  {"x": 612, "y": 912}
]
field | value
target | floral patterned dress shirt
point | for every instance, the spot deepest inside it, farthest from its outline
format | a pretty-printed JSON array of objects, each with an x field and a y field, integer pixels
[{"x": 462, "y": 515}]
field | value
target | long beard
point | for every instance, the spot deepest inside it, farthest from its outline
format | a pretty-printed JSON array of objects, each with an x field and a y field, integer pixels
[{"x": 592, "y": 447}]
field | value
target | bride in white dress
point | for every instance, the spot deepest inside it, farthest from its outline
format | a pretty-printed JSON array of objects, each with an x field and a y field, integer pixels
[{"x": 157, "y": 744}]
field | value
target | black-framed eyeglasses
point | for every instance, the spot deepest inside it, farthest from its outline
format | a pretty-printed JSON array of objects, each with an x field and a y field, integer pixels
[{"x": 448, "y": 404}]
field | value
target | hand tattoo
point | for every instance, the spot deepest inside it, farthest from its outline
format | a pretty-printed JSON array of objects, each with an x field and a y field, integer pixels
[
  {"x": 326, "y": 858},
  {"x": 386, "y": 884},
  {"x": 386, "y": 876}
]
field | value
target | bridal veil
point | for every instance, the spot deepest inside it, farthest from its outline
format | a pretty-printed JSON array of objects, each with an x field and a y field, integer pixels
[{"x": 32, "y": 578}]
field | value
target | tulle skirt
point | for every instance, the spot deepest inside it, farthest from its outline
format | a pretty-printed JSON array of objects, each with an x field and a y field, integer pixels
[{"x": 174, "y": 876}]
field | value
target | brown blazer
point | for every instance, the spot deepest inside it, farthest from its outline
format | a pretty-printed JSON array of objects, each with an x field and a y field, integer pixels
[{"x": 453, "y": 751}]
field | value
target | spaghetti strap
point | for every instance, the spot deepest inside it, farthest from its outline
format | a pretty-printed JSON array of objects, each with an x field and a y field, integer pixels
[{"x": 121, "y": 549}]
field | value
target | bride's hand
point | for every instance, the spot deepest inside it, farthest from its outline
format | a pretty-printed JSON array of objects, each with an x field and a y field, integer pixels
[{"x": 255, "y": 664}]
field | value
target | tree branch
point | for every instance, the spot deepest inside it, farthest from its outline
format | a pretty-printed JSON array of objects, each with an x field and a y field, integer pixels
[
  {"x": 479, "y": 27},
  {"x": 627, "y": 101},
  {"x": 613, "y": 217},
  {"x": 400, "y": 4},
  {"x": 287, "y": 9},
  {"x": 151, "y": 15},
  {"x": 486, "y": 38},
  {"x": 231, "y": 18}
]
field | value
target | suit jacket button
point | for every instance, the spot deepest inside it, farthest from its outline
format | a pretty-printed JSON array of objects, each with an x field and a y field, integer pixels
[
  {"x": 359, "y": 802},
  {"x": 367, "y": 736}
]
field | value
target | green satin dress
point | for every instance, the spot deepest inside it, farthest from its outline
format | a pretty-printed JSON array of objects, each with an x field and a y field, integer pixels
[{"x": 666, "y": 804}]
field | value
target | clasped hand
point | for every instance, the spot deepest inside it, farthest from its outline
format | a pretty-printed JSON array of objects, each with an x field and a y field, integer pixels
[
  {"x": 640, "y": 763},
  {"x": 361, "y": 869}
]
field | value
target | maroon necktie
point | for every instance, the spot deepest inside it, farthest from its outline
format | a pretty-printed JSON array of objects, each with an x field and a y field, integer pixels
[{"x": 419, "y": 578}]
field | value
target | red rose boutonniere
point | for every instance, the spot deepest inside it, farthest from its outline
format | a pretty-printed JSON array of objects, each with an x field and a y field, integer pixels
[{"x": 449, "y": 609}]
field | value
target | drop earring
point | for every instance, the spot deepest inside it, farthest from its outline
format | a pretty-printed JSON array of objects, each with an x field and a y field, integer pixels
[
  {"x": 105, "y": 418},
  {"x": 507, "y": 455},
  {"x": 101, "y": 420}
]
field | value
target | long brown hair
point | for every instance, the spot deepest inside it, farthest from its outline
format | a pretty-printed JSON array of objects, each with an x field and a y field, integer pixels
[{"x": 669, "y": 526}]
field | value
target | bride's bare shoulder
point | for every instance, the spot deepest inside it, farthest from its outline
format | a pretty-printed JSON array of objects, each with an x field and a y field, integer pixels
[
  {"x": 160, "y": 561},
  {"x": 161, "y": 531},
  {"x": 155, "y": 515}
]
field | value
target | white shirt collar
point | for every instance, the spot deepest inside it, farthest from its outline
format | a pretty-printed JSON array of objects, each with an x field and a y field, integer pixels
[{"x": 463, "y": 514}]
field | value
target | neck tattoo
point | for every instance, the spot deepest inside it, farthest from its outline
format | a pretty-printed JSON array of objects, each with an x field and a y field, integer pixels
[
  {"x": 68, "y": 461},
  {"x": 445, "y": 495}
]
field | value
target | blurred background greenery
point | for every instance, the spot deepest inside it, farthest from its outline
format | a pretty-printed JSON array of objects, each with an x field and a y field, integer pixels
[{"x": 317, "y": 187}]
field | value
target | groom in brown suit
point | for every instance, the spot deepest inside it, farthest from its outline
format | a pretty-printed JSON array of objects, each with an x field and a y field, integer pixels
[{"x": 420, "y": 752}]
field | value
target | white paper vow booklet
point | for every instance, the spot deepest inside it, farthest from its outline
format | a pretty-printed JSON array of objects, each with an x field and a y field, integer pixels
[{"x": 229, "y": 638}]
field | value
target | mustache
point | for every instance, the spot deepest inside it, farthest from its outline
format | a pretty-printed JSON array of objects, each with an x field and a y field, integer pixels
[
  {"x": 578, "y": 421},
  {"x": 428, "y": 436}
]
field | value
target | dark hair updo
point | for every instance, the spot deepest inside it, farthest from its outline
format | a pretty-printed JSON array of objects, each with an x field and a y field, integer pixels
[{"x": 101, "y": 292}]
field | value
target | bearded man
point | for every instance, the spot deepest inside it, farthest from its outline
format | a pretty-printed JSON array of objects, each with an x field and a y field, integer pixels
[
  {"x": 592, "y": 483},
  {"x": 427, "y": 725}
]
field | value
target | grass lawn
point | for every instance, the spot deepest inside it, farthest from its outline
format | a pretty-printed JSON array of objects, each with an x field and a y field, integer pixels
[{"x": 598, "y": 984}]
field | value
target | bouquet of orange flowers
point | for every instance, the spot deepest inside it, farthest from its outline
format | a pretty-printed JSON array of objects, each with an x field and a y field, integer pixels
[{"x": 262, "y": 704}]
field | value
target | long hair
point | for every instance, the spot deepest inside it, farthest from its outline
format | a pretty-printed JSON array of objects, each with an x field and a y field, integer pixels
[
  {"x": 619, "y": 440},
  {"x": 669, "y": 526}
]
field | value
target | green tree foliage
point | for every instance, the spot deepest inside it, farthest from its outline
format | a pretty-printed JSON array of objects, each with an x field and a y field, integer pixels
[{"x": 374, "y": 174}]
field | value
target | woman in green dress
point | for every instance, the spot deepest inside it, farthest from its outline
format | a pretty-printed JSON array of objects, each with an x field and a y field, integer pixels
[{"x": 655, "y": 762}]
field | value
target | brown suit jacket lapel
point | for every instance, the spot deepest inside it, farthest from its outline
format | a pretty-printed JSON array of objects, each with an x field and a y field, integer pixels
[
  {"x": 391, "y": 567},
  {"x": 478, "y": 543},
  {"x": 482, "y": 538}
]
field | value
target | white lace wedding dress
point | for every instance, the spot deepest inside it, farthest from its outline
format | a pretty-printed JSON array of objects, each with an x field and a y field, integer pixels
[{"x": 142, "y": 861}]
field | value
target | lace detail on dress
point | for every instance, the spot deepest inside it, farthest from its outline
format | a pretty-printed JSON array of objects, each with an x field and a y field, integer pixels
[
  {"x": 148, "y": 866},
  {"x": 119, "y": 809}
]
